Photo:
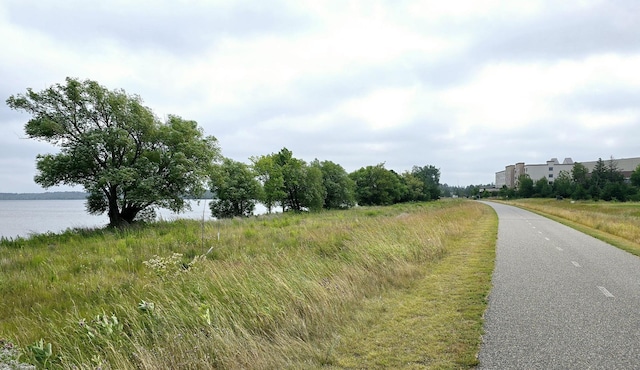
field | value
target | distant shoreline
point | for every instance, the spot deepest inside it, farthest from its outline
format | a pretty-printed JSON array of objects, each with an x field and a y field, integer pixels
[{"x": 55, "y": 195}]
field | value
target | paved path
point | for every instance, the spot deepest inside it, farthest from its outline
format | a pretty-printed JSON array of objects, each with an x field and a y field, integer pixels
[{"x": 560, "y": 299}]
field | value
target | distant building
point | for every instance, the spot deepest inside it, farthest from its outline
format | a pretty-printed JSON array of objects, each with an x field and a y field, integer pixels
[{"x": 552, "y": 169}]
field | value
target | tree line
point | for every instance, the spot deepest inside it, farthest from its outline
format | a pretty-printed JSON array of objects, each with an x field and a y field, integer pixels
[
  {"x": 281, "y": 180},
  {"x": 130, "y": 162},
  {"x": 605, "y": 182}
]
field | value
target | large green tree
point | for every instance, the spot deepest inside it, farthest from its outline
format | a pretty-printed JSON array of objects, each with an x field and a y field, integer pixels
[
  {"x": 338, "y": 186},
  {"x": 113, "y": 146},
  {"x": 302, "y": 184},
  {"x": 313, "y": 188},
  {"x": 599, "y": 177},
  {"x": 430, "y": 177},
  {"x": 414, "y": 188},
  {"x": 270, "y": 176},
  {"x": 580, "y": 177},
  {"x": 525, "y": 186},
  {"x": 375, "y": 185},
  {"x": 293, "y": 174},
  {"x": 235, "y": 189},
  {"x": 542, "y": 188},
  {"x": 289, "y": 182},
  {"x": 580, "y": 174},
  {"x": 562, "y": 185}
]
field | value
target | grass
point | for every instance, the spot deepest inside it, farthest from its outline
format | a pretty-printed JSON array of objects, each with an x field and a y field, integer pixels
[
  {"x": 279, "y": 291},
  {"x": 435, "y": 322},
  {"x": 613, "y": 222}
]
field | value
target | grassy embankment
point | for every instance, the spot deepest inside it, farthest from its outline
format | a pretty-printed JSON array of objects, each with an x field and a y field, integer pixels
[
  {"x": 397, "y": 287},
  {"x": 615, "y": 223}
]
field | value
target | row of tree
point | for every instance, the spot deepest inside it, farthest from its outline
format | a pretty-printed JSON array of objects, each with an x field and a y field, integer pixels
[
  {"x": 281, "y": 180},
  {"x": 131, "y": 162},
  {"x": 605, "y": 182}
]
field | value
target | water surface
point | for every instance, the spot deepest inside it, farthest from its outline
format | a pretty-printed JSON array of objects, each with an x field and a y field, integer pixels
[{"x": 27, "y": 217}]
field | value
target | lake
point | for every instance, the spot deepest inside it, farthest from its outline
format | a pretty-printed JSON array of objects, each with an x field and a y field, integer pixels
[{"x": 27, "y": 217}]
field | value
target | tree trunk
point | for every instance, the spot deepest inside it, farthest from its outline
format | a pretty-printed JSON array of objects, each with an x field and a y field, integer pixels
[
  {"x": 128, "y": 214},
  {"x": 114, "y": 211}
]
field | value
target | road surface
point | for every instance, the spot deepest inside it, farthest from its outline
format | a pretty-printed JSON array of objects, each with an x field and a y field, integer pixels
[{"x": 560, "y": 299}]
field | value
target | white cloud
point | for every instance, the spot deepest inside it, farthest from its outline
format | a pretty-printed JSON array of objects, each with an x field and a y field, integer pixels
[
  {"x": 511, "y": 95},
  {"x": 361, "y": 82},
  {"x": 386, "y": 108}
]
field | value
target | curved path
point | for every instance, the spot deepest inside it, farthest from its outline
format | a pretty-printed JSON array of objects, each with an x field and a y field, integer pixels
[{"x": 560, "y": 299}]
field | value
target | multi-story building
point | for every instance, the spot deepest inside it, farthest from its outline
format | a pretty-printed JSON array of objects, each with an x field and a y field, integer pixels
[{"x": 552, "y": 169}]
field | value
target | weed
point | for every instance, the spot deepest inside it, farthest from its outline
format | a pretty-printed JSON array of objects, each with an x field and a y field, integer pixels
[{"x": 42, "y": 353}]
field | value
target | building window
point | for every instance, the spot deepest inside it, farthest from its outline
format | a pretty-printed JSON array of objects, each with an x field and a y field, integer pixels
[
  {"x": 550, "y": 175},
  {"x": 550, "y": 168}
]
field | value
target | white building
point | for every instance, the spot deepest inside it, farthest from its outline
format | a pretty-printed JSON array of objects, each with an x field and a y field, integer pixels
[{"x": 552, "y": 169}]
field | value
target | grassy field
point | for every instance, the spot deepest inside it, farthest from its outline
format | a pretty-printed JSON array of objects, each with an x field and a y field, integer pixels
[
  {"x": 400, "y": 287},
  {"x": 613, "y": 222}
]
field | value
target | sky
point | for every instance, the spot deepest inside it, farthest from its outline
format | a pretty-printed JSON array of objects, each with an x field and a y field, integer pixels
[{"x": 467, "y": 86}]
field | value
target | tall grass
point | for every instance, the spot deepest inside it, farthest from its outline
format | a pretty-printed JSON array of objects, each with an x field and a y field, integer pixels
[{"x": 271, "y": 294}]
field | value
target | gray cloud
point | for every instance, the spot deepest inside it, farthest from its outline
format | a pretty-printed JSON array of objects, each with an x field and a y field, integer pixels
[
  {"x": 605, "y": 98},
  {"x": 610, "y": 26},
  {"x": 187, "y": 28},
  {"x": 451, "y": 125}
]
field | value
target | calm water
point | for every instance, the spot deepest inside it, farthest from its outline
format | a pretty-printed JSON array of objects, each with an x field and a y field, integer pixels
[{"x": 26, "y": 217}]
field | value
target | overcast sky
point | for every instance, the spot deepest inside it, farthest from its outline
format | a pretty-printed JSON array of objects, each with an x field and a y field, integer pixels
[{"x": 465, "y": 86}]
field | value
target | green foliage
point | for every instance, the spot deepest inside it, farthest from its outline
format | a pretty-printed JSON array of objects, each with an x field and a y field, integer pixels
[
  {"x": 338, "y": 186},
  {"x": 414, "y": 188},
  {"x": 290, "y": 182},
  {"x": 235, "y": 189},
  {"x": 607, "y": 182},
  {"x": 562, "y": 185},
  {"x": 314, "y": 190},
  {"x": 375, "y": 185},
  {"x": 270, "y": 175},
  {"x": 580, "y": 174},
  {"x": 294, "y": 174},
  {"x": 579, "y": 193},
  {"x": 42, "y": 354},
  {"x": 618, "y": 191},
  {"x": 598, "y": 177},
  {"x": 525, "y": 186},
  {"x": 113, "y": 146},
  {"x": 542, "y": 188},
  {"x": 430, "y": 177},
  {"x": 635, "y": 177}
]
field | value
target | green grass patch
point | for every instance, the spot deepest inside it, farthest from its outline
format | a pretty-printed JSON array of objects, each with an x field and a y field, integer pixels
[
  {"x": 435, "y": 321},
  {"x": 277, "y": 291}
]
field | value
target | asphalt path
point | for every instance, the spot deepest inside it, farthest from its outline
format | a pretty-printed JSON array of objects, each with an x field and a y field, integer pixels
[{"x": 560, "y": 299}]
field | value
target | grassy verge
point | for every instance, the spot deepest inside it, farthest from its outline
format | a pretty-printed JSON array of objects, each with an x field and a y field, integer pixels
[
  {"x": 280, "y": 291},
  {"x": 436, "y": 322},
  {"x": 615, "y": 223}
]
